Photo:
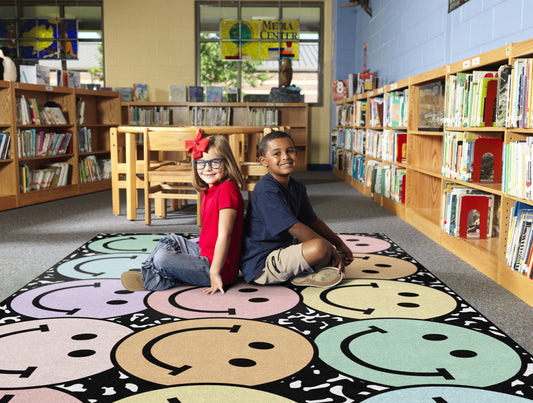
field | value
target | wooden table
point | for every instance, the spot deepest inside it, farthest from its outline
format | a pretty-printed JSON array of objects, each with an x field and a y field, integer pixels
[{"x": 124, "y": 151}]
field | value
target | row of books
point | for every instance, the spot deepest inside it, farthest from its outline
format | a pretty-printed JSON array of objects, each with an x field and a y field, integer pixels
[
  {"x": 470, "y": 99},
  {"x": 517, "y": 93},
  {"x": 210, "y": 116},
  {"x": 29, "y": 113},
  {"x": 263, "y": 117},
  {"x": 469, "y": 213},
  {"x": 389, "y": 145},
  {"x": 213, "y": 93},
  {"x": 49, "y": 176},
  {"x": 94, "y": 170},
  {"x": 518, "y": 169},
  {"x": 491, "y": 98},
  {"x": 33, "y": 143},
  {"x": 85, "y": 140},
  {"x": 152, "y": 115},
  {"x": 519, "y": 248},
  {"x": 471, "y": 157},
  {"x": 138, "y": 92},
  {"x": 395, "y": 113},
  {"x": 5, "y": 142},
  {"x": 388, "y": 180},
  {"x": 344, "y": 115},
  {"x": 376, "y": 112}
]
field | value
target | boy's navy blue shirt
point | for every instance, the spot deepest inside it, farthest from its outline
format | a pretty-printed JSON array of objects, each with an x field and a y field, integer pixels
[{"x": 272, "y": 210}]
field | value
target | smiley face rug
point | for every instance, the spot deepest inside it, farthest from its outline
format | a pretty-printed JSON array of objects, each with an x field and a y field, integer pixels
[{"x": 389, "y": 332}]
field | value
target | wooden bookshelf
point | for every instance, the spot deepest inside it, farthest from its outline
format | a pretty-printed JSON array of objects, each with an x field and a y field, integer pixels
[
  {"x": 293, "y": 115},
  {"x": 102, "y": 111},
  {"x": 425, "y": 180}
]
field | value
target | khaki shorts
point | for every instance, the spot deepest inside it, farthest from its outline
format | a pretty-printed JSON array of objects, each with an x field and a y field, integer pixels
[{"x": 282, "y": 265}]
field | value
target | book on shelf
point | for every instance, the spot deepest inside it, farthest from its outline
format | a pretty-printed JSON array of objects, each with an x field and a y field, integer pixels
[
  {"x": 140, "y": 92},
  {"x": 48, "y": 176},
  {"x": 5, "y": 142},
  {"x": 471, "y": 157},
  {"x": 52, "y": 115},
  {"x": 35, "y": 74},
  {"x": 80, "y": 111},
  {"x": 33, "y": 143},
  {"x": 233, "y": 94},
  {"x": 365, "y": 82},
  {"x": 339, "y": 90},
  {"x": 89, "y": 169},
  {"x": 73, "y": 79},
  {"x": 344, "y": 115},
  {"x": 502, "y": 98},
  {"x": 177, "y": 93},
  {"x": 210, "y": 116},
  {"x": 518, "y": 168},
  {"x": 213, "y": 93},
  {"x": 376, "y": 112},
  {"x": 126, "y": 93},
  {"x": 396, "y": 108},
  {"x": 196, "y": 94},
  {"x": 84, "y": 140},
  {"x": 519, "y": 247},
  {"x": 475, "y": 218}
]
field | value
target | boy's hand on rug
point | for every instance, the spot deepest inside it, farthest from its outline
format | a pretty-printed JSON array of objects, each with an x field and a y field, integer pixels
[
  {"x": 216, "y": 284},
  {"x": 346, "y": 254}
]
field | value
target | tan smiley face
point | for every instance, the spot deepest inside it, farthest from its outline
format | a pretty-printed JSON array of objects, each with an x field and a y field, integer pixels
[{"x": 230, "y": 351}]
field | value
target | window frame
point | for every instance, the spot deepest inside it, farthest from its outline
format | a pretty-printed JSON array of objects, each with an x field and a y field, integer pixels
[
  {"x": 280, "y": 5},
  {"x": 61, "y": 4}
]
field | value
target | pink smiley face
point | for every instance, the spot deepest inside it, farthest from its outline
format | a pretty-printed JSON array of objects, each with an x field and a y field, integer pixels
[
  {"x": 49, "y": 351},
  {"x": 241, "y": 300},
  {"x": 364, "y": 244}
]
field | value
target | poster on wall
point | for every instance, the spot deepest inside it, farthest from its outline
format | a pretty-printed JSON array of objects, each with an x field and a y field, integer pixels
[
  {"x": 259, "y": 39},
  {"x": 453, "y": 4}
]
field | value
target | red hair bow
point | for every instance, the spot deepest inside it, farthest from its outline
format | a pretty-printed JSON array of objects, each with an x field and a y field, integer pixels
[{"x": 197, "y": 146}]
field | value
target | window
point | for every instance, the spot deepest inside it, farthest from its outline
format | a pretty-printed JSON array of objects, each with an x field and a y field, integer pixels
[
  {"x": 90, "y": 34},
  {"x": 254, "y": 79}
]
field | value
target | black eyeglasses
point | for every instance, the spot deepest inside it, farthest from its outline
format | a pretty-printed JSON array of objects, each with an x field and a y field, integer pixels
[{"x": 215, "y": 163}]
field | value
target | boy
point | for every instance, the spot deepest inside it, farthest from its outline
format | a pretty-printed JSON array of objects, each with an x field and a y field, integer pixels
[{"x": 279, "y": 212}]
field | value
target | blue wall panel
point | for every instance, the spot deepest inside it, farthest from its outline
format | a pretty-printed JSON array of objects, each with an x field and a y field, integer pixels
[{"x": 409, "y": 37}]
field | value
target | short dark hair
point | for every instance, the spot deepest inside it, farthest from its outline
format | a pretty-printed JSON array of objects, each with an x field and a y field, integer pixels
[{"x": 276, "y": 134}]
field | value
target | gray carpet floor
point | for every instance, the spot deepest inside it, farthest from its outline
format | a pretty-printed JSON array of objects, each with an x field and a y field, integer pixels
[{"x": 36, "y": 237}]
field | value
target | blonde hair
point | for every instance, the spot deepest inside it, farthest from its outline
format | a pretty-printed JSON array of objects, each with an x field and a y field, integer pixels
[{"x": 232, "y": 171}]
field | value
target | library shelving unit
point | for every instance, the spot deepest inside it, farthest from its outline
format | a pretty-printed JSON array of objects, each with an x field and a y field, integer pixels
[
  {"x": 8, "y": 166},
  {"x": 426, "y": 179},
  {"x": 102, "y": 111},
  {"x": 293, "y": 115}
]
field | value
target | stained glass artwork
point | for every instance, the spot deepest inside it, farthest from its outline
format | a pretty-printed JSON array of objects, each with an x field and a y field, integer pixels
[{"x": 40, "y": 38}]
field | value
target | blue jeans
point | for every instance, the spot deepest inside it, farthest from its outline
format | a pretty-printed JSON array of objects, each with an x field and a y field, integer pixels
[{"x": 174, "y": 261}]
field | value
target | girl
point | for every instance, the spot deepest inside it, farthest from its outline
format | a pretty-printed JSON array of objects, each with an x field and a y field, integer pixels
[{"x": 213, "y": 261}]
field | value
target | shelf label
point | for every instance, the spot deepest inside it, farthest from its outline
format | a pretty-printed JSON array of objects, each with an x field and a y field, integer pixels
[
  {"x": 466, "y": 64},
  {"x": 475, "y": 61},
  {"x": 49, "y": 88},
  {"x": 394, "y": 86},
  {"x": 371, "y": 93},
  {"x": 16, "y": 85},
  {"x": 380, "y": 90}
]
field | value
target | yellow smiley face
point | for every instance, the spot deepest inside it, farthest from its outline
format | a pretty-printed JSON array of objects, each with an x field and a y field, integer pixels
[{"x": 368, "y": 299}]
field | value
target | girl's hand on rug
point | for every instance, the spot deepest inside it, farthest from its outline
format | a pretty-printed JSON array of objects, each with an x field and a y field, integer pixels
[{"x": 216, "y": 284}]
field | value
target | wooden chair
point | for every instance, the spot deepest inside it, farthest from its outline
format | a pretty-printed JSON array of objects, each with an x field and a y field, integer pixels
[
  {"x": 167, "y": 182},
  {"x": 126, "y": 169}
]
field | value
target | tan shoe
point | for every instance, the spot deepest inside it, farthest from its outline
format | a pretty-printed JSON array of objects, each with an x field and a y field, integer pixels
[
  {"x": 132, "y": 281},
  {"x": 326, "y": 277}
]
